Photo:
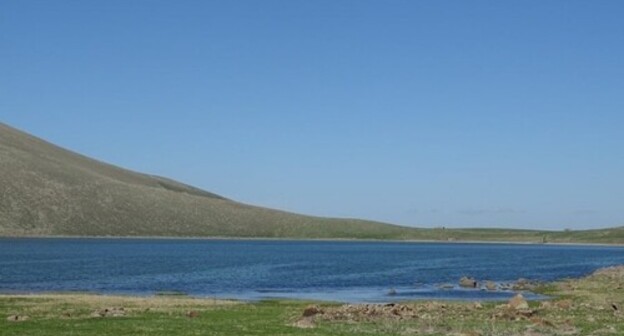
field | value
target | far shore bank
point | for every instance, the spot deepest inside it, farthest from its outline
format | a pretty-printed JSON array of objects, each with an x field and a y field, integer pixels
[{"x": 356, "y": 240}]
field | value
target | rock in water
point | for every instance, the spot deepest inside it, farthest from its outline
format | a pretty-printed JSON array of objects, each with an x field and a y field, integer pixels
[
  {"x": 491, "y": 286},
  {"x": 518, "y": 303},
  {"x": 523, "y": 284},
  {"x": 468, "y": 282}
]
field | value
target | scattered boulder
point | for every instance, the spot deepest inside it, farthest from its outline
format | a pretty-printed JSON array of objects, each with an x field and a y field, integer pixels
[
  {"x": 468, "y": 282},
  {"x": 617, "y": 311},
  {"x": 434, "y": 306},
  {"x": 109, "y": 312},
  {"x": 311, "y": 311},
  {"x": 505, "y": 286},
  {"x": 523, "y": 284},
  {"x": 610, "y": 330},
  {"x": 468, "y": 333},
  {"x": 568, "y": 329},
  {"x": 491, "y": 286},
  {"x": 564, "y": 304},
  {"x": 517, "y": 309},
  {"x": 17, "y": 318},
  {"x": 614, "y": 272},
  {"x": 518, "y": 303},
  {"x": 541, "y": 322},
  {"x": 361, "y": 312},
  {"x": 512, "y": 315},
  {"x": 192, "y": 314},
  {"x": 304, "y": 323}
]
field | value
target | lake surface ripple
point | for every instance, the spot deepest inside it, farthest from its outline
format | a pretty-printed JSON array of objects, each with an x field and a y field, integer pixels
[{"x": 259, "y": 269}]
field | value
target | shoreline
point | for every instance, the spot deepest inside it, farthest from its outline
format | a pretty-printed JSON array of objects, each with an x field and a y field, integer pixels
[
  {"x": 588, "y": 305},
  {"x": 535, "y": 291},
  {"x": 346, "y": 240}
]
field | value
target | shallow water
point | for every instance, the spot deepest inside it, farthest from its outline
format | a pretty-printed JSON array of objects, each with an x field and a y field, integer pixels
[{"x": 259, "y": 269}]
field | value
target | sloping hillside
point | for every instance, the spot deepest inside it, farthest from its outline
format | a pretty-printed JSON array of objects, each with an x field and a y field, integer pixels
[{"x": 47, "y": 190}]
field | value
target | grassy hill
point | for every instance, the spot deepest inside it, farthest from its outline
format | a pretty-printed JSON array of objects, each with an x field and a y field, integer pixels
[{"x": 46, "y": 191}]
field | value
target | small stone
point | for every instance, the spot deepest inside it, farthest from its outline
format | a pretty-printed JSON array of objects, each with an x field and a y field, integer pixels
[
  {"x": 518, "y": 303},
  {"x": 468, "y": 282},
  {"x": 311, "y": 311},
  {"x": 17, "y": 318},
  {"x": 109, "y": 312},
  {"x": 541, "y": 322},
  {"x": 564, "y": 304},
  {"x": 523, "y": 284},
  {"x": 469, "y": 333},
  {"x": 491, "y": 286},
  {"x": 304, "y": 323},
  {"x": 505, "y": 286}
]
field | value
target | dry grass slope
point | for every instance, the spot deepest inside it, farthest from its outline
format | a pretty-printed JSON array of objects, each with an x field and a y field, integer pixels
[{"x": 46, "y": 190}]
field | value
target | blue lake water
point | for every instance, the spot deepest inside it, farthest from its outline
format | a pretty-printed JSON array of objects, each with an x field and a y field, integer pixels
[{"x": 256, "y": 269}]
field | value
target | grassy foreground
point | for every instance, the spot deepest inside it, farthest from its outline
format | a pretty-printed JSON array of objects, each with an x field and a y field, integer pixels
[{"x": 587, "y": 306}]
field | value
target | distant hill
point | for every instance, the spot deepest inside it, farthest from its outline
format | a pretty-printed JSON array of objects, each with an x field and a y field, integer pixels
[{"x": 46, "y": 190}]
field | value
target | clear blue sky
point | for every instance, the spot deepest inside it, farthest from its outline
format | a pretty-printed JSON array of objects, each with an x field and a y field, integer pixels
[{"x": 426, "y": 113}]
